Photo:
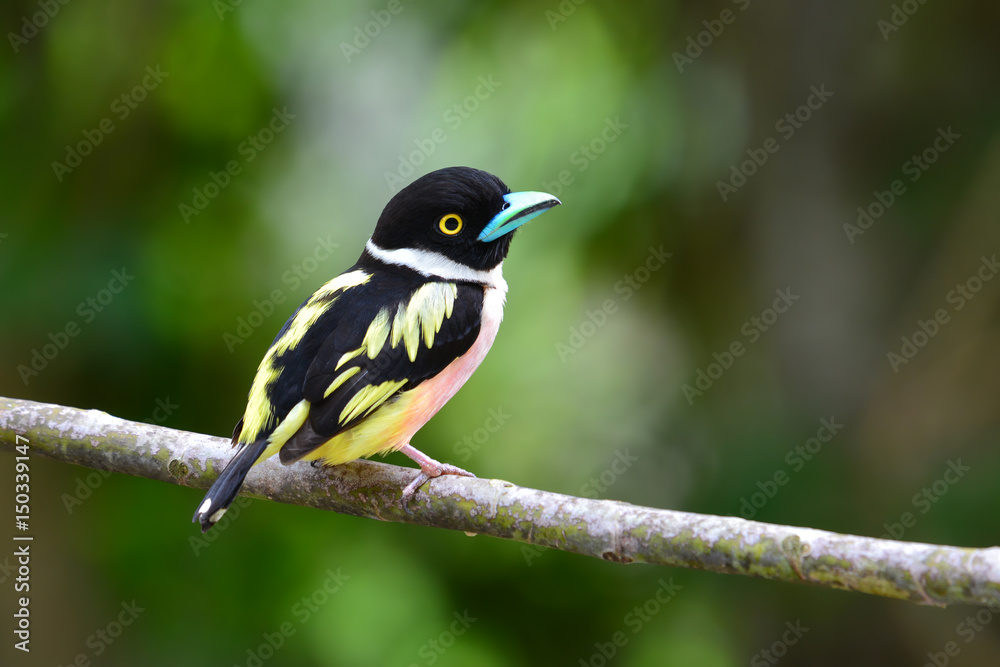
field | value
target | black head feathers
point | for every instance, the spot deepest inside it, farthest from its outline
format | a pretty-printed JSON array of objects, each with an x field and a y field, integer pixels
[{"x": 444, "y": 212}]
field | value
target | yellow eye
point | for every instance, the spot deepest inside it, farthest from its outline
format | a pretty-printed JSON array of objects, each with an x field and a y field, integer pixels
[{"x": 450, "y": 224}]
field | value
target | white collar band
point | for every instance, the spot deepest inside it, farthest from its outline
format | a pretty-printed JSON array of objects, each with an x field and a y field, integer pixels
[{"x": 430, "y": 263}]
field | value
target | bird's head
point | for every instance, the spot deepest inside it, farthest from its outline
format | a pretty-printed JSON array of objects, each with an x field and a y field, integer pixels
[{"x": 465, "y": 214}]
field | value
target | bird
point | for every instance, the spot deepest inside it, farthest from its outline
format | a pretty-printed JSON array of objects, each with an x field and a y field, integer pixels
[{"x": 373, "y": 354}]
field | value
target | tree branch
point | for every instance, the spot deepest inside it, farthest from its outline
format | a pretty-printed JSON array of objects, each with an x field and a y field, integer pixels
[{"x": 615, "y": 531}]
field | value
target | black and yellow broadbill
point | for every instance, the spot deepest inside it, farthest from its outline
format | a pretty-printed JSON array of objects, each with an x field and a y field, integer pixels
[{"x": 374, "y": 353}]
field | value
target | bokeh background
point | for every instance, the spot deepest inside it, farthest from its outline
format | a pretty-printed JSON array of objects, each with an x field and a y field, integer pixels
[{"x": 635, "y": 114}]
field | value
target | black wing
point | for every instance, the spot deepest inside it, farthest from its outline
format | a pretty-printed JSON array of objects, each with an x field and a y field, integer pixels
[{"x": 343, "y": 373}]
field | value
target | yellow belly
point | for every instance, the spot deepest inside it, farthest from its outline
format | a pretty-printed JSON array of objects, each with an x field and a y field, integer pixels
[{"x": 385, "y": 430}]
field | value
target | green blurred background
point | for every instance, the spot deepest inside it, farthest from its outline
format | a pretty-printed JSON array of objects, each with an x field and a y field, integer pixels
[{"x": 633, "y": 114}]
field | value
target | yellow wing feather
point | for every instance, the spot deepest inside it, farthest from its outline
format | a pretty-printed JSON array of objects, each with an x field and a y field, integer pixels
[
  {"x": 420, "y": 319},
  {"x": 259, "y": 415},
  {"x": 341, "y": 379},
  {"x": 369, "y": 398}
]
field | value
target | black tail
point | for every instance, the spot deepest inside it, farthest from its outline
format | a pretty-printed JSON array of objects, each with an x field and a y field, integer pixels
[{"x": 228, "y": 484}]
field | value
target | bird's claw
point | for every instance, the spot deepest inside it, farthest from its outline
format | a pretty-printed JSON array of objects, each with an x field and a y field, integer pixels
[{"x": 427, "y": 473}]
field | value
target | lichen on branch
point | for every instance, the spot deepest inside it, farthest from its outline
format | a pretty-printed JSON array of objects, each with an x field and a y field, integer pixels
[{"x": 612, "y": 530}]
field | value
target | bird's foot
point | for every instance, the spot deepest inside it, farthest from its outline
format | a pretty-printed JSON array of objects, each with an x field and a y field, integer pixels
[{"x": 429, "y": 469}]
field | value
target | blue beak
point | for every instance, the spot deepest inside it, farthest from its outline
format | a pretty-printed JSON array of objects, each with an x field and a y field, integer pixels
[{"x": 520, "y": 207}]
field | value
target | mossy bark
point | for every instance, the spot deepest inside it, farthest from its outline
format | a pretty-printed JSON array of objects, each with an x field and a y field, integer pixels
[{"x": 614, "y": 531}]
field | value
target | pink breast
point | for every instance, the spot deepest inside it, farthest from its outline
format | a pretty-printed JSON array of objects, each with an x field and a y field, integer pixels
[{"x": 432, "y": 394}]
